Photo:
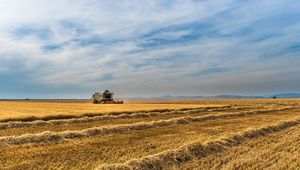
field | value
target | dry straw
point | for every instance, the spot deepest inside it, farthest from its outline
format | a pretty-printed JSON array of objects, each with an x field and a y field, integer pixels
[
  {"x": 197, "y": 150},
  {"x": 21, "y": 124},
  {"x": 70, "y": 116},
  {"x": 98, "y": 131}
]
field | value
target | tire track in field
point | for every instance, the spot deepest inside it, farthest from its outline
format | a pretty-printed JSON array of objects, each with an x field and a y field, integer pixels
[
  {"x": 20, "y": 124},
  {"x": 104, "y": 130},
  {"x": 198, "y": 150}
]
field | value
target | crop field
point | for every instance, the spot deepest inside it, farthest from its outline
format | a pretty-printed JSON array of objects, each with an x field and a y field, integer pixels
[
  {"x": 28, "y": 110},
  {"x": 151, "y": 134}
]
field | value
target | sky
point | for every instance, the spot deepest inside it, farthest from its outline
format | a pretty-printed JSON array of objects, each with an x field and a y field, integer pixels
[{"x": 72, "y": 48}]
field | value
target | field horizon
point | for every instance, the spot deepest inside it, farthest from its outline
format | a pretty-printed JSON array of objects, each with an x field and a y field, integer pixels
[{"x": 220, "y": 96}]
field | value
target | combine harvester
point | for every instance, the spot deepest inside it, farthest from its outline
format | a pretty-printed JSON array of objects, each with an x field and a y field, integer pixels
[{"x": 105, "y": 97}]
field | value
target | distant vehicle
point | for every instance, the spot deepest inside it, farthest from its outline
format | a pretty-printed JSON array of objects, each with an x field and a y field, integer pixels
[{"x": 105, "y": 97}]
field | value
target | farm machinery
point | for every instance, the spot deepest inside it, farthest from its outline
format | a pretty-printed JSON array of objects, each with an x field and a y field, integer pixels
[{"x": 105, "y": 97}]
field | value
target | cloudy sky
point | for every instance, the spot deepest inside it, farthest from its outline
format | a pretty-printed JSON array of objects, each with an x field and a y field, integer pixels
[{"x": 71, "y": 48}]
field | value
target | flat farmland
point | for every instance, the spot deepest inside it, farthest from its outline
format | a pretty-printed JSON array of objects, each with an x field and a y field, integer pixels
[
  {"x": 151, "y": 134},
  {"x": 60, "y": 108}
]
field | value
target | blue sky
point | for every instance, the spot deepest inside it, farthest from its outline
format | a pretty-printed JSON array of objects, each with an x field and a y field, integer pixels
[{"x": 71, "y": 48}]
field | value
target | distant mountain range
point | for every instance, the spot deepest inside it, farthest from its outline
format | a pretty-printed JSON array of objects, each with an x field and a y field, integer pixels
[
  {"x": 288, "y": 95},
  {"x": 281, "y": 95}
]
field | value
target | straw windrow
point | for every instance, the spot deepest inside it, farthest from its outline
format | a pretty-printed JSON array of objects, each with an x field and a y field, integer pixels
[
  {"x": 98, "y": 131},
  {"x": 197, "y": 150},
  {"x": 21, "y": 124}
]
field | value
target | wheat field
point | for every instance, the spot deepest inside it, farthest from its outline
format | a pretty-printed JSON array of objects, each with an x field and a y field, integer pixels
[
  {"x": 151, "y": 134},
  {"x": 29, "y": 110}
]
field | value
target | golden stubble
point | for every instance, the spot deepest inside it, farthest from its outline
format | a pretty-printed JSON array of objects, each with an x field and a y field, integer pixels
[{"x": 254, "y": 130}]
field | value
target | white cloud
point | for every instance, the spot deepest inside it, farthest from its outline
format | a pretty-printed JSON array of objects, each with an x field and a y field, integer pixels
[{"x": 100, "y": 43}]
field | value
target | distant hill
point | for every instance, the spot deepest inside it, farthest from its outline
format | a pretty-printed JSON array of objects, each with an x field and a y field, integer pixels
[
  {"x": 237, "y": 96},
  {"x": 287, "y": 95},
  {"x": 281, "y": 95}
]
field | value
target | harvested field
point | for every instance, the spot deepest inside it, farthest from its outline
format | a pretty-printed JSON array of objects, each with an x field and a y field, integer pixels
[
  {"x": 35, "y": 110},
  {"x": 188, "y": 134}
]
